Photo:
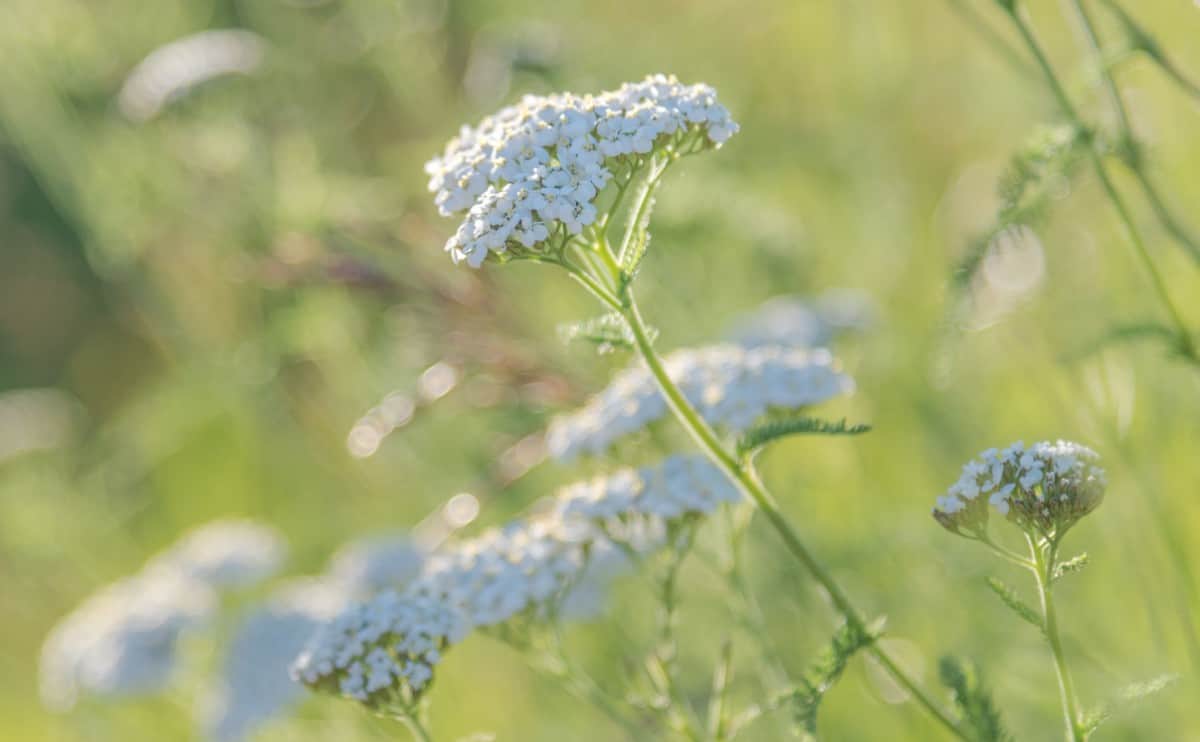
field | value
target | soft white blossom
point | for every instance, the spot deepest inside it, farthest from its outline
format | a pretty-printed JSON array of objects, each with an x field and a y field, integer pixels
[
  {"x": 1045, "y": 487},
  {"x": 376, "y": 563},
  {"x": 534, "y": 170},
  {"x": 253, "y": 685},
  {"x": 123, "y": 640},
  {"x": 730, "y": 386},
  {"x": 382, "y": 652},
  {"x": 226, "y": 553},
  {"x": 803, "y": 323}
]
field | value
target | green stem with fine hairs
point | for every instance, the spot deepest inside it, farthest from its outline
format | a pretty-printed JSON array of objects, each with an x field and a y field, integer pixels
[
  {"x": 746, "y": 479},
  {"x": 1184, "y": 339},
  {"x": 1043, "y": 570}
]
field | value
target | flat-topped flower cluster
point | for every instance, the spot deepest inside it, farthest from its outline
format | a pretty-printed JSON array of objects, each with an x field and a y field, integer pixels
[
  {"x": 524, "y": 569},
  {"x": 730, "y": 386},
  {"x": 1046, "y": 487},
  {"x": 531, "y": 173}
]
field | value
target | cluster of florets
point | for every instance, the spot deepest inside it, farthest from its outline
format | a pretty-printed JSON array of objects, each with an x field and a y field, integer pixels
[
  {"x": 122, "y": 640},
  {"x": 376, "y": 563},
  {"x": 730, "y": 386},
  {"x": 683, "y": 485},
  {"x": 804, "y": 323},
  {"x": 531, "y": 173},
  {"x": 254, "y": 684},
  {"x": 382, "y": 652},
  {"x": 226, "y": 553},
  {"x": 1044, "y": 489}
]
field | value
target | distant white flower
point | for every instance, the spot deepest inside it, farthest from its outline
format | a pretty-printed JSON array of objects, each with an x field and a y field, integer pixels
[
  {"x": 524, "y": 566},
  {"x": 253, "y": 684},
  {"x": 381, "y": 653},
  {"x": 730, "y": 386},
  {"x": 376, "y": 563},
  {"x": 531, "y": 172},
  {"x": 792, "y": 321},
  {"x": 226, "y": 553},
  {"x": 1045, "y": 488},
  {"x": 122, "y": 640}
]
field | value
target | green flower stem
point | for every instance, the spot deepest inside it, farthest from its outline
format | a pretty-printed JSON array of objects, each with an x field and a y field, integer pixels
[
  {"x": 1186, "y": 345},
  {"x": 746, "y": 480},
  {"x": 1133, "y": 156},
  {"x": 419, "y": 732},
  {"x": 1044, "y": 558}
]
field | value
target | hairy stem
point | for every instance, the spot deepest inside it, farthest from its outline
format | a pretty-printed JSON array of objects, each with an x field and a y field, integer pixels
[
  {"x": 1184, "y": 338},
  {"x": 747, "y": 481},
  {"x": 1043, "y": 558}
]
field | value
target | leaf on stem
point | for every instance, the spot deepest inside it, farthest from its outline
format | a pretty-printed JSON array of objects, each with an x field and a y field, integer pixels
[
  {"x": 824, "y": 672},
  {"x": 780, "y": 427},
  {"x": 1127, "y": 334},
  {"x": 1009, "y": 597},
  {"x": 1074, "y": 564},
  {"x": 1128, "y": 696},
  {"x": 608, "y": 332},
  {"x": 978, "y": 715}
]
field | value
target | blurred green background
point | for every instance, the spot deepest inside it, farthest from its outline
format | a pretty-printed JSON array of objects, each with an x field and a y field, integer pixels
[{"x": 211, "y": 290}]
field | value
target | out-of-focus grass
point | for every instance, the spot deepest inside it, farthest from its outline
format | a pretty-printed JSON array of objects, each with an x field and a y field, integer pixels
[{"x": 225, "y": 288}]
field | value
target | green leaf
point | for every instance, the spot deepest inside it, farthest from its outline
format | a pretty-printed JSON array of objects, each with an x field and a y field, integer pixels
[
  {"x": 637, "y": 236},
  {"x": 1128, "y": 696},
  {"x": 607, "y": 332},
  {"x": 780, "y": 427},
  {"x": 824, "y": 672},
  {"x": 1010, "y": 598},
  {"x": 978, "y": 715},
  {"x": 1074, "y": 564}
]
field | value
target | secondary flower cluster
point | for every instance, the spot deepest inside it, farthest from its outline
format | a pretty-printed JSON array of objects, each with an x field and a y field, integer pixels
[
  {"x": 123, "y": 639},
  {"x": 730, "y": 386},
  {"x": 1044, "y": 489},
  {"x": 524, "y": 569},
  {"x": 534, "y": 170},
  {"x": 799, "y": 322},
  {"x": 382, "y": 652}
]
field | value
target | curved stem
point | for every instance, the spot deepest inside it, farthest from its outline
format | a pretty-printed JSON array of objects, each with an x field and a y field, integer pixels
[
  {"x": 419, "y": 732},
  {"x": 1125, "y": 129},
  {"x": 1184, "y": 337},
  {"x": 1044, "y": 565},
  {"x": 747, "y": 481}
]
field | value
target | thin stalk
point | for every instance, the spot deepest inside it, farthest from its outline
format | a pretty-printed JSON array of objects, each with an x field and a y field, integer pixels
[
  {"x": 1044, "y": 565},
  {"x": 1133, "y": 158},
  {"x": 419, "y": 732},
  {"x": 1184, "y": 337},
  {"x": 747, "y": 481}
]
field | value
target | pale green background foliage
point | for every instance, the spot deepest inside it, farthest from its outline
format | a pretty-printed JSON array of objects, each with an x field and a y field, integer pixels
[{"x": 228, "y": 287}]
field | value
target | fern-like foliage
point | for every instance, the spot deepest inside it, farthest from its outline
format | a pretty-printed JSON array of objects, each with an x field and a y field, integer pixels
[
  {"x": 1128, "y": 696},
  {"x": 978, "y": 716},
  {"x": 1009, "y": 597},
  {"x": 637, "y": 239},
  {"x": 1074, "y": 564},
  {"x": 1132, "y": 333},
  {"x": 607, "y": 332},
  {"x": 824, "y": 673},
  {"x": 775, "y": 428}
]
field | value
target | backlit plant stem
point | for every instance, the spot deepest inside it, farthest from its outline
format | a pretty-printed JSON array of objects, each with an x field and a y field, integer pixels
[
  {"x": 1043, "y": 570},
  {"x": 1183, "y": 336}
]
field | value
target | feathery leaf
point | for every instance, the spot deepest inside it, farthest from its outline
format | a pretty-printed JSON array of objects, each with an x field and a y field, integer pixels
[
  {"x": 1010, "y": 598},
  {"x": 977, "y": 712},
  {"x": 779, "y": 427}
]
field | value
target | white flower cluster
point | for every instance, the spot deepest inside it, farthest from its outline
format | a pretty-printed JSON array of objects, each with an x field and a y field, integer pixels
[
  {"x": 382, "y": 652},
  {"x": 254, "y": 686},
  {"x": 803, "y": 323},
  {"x": 122, "y": 640},
  {"x": 375, "y": 563},
  {"x": 730, "y": 386},
  {"x": 682, "y": 485},
  {"x": 226, "y": 553},
  {"x": 535, "y": 168},
  {"x": 1048, "y": 486},
  {"x": 506, "y": 571}
]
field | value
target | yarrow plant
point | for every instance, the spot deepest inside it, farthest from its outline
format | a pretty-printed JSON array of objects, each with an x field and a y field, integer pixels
[
  {"x": 569, "y": 181},
  {"x": 1043, "y": 491}
]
